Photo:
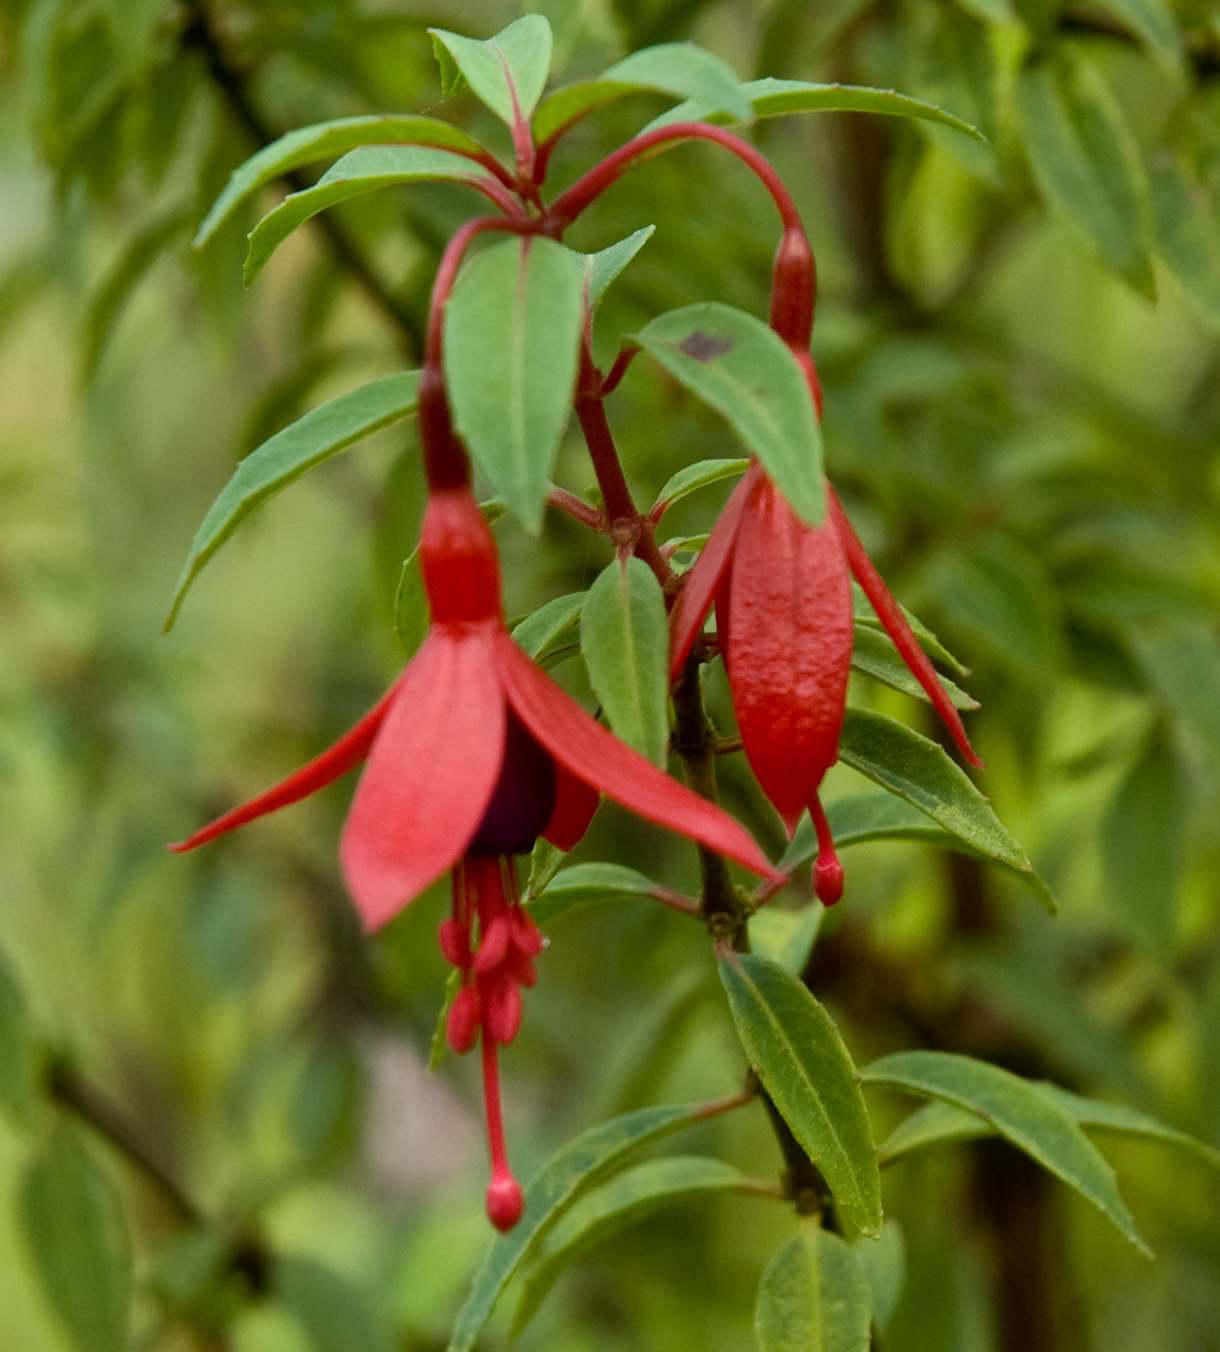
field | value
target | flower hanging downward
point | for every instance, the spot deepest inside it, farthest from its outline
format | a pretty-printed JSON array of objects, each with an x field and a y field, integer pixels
[
  {"x": 782, "y": 594},
  {"x": 472, "y": 754}
]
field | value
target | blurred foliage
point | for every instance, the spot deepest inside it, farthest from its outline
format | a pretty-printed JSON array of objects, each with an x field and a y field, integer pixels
[{"x": 1028, "y": 441}]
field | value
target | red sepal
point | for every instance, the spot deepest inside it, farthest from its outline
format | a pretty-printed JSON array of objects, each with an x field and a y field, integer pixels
[
  {"x": 431, "y": 771},
  {"x": 890, "y": 614},
  {"x": 788, "y": 653},
  {"x": 701, "y": 584},
  {"x": 337, "y": 760},
  {"x": 596, "y": 756},
  {"x": 575, "y": 805}
]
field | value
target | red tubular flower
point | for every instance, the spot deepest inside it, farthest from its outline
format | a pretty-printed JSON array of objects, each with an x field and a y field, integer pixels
[
  {"x": 472, "y": 754},
  {"x": 784, "y": 618}
]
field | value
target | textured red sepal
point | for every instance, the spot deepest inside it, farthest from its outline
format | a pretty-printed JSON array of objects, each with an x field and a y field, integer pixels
[
  {"x": 431, "y": 771},
  {"x": 591, "y": 753},
  {"x": 337, "y": 760},
  {"x": 575, "y": 805},
  {"x": 701, "y": 584},
  {"x": 789, "y": 649},
  {"x": 894, "y": 622}
]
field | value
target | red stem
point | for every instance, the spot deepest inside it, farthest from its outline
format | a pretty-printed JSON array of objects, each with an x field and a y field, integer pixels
[
  {"x": 794, "y": 276},
  {"x": 626, "y": 525},
  {"x": 576, "y": 508}
]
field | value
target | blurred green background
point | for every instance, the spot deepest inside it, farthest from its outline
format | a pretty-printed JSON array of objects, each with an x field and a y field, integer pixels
[{"x": 1028, "y": 443}]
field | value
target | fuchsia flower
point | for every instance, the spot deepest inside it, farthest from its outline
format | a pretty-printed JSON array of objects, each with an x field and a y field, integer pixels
[
  {"x": 472, "y": 754},
  {"x": 782, "y": 594}
]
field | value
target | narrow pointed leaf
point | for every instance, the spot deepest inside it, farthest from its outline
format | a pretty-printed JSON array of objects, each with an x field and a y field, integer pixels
[
  {"x": 78, "y": 1245},
  {"x": 624, "y": 638},
  {"x": 813, "y": 1297},
  {"x": 863, "y": 614},
  {"x": 604, "y": 266},
  {"x": 320, "y": 142},
  {"x": 512, "y": 335},
  {"x": 796, "y": 1049},
  {"x": 702, "y": 474},
  {"x": 779, "y": 98},
  {"x": 438, "y": 1049},
  {"x": 320, "y": 434},
  {"x": 618, "y": 1204},
  {"x": 1086, "y": 163},
  {"x": 1020, "y": 1113},
  {"x": 552, "y": 626},
  {"x": 679, "y": 69},
  {"x": 588, "y": 885},
  {"x": 739, "y": 366},
  {"x": 915, "y": 768},
  {"x": 359, "y": 171},
  {"x": 1188, "y": 232},
  {"x": 566, "y": 1176},
  {"x": 507, "y": 72},
  {"x": 938, "y": 1124},
  {"x": 874, "y": 654},
  {"x": 861, "y": 817}
]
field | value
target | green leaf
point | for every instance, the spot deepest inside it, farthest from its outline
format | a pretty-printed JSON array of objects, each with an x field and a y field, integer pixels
[
  {"x": 512, "y": 337},
  {"x": 78, "y": 1245},
  {"x": 1020, "y": 1113},
  {"x": 863, "y": 613},
  {"x": 506, "y": 72},
  {"x": 786, "y": 938},
  {"x": 336, "y": 1315},
  {"x": 932, "y": 1125},
  {"x": 545, "y": 860},
  {"x": 741, "y": 367},
  {"x": 1188, "y": 232},
  {"x": 702, "y": 474},
  {"x": 874, "y": 654},
  {"x": 943, "y": 1124},
  {"x": 677, "y": 68},
  {"x": 321, "y": 141},
  {"x": 120, "y": 281},
  {"x": 1154, "y": 23},
  {"x": 796, "y": 1049},
  {"x": 1086, "y": 163},
  {"x": 359, "y": 171},
  {"x": 553, "y": 625},
  {"x": 566, "y": 1176},
  {"x": 1122, "y": 1121},
  {"x": 778, "y": 98},
  {"x": 320, "y": 434},
  {"x": 622, "y": 1202},
  {"x": 813, "y": 1297},
  {"x": 624, "y": 639},
  {"x": 1141, "y": 845},
  {"x": 587, "y": 885},
  {"x": 861, "y": 817},
  {"x": 18, "y": 1054},
  {"x": 915, "y": 768},
  {"x": 604, "y": 266},
  {"x": 883, "y": 1261}
]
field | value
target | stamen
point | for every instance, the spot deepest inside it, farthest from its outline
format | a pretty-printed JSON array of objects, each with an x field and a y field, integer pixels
[
  {"x": 505, "y": 1199},
  {"x": 462, "y": 1028},
  {"x": 827, "y": 870}
]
